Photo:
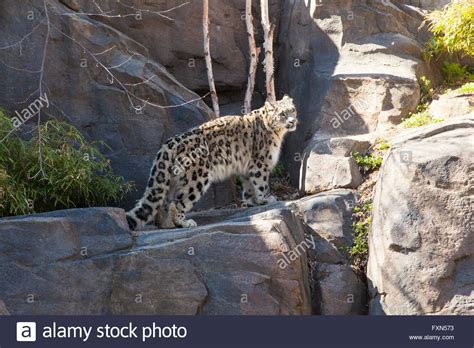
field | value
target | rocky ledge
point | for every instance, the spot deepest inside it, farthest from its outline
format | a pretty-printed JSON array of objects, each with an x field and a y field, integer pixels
[{"x": 244, "y": 261}]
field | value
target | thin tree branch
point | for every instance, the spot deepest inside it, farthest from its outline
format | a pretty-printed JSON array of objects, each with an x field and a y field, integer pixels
[
  {"x": 130, "y": 95},
  {"x": 207, "y": 57},
  {"x": 268, "y": 30},
  {"x": 40, "y": 88},
  {"x": 254, "y": 52}
]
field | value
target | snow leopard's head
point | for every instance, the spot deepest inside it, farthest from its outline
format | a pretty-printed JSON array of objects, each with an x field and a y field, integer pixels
[{"x": 282, "y": 114}]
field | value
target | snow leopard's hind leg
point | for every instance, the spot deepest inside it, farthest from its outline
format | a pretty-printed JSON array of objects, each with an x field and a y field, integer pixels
[{"x": 155, "y": 193}]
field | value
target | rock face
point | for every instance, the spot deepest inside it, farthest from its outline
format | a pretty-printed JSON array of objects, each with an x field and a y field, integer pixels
[
  {"x": 421, "y": 246},
  {"x": 355, "y": 74},
  {"x": 81, "y": 55},
  {"x": 97, "y": 268},
  {"x": 349, "y": 72},
  {"x": 337, "y": 289}
]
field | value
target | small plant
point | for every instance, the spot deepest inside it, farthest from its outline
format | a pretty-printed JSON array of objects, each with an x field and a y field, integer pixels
[
  {"x": 367, "y": 162},
  {"x": 382, "y": 145},
  {"x": 426, "y": 93},
  {"x": 419, "y": 119},
  {"x": 454, "y": 73},
  {"x": 466, "y": 88},
  {"x": 278, "y": 170},
  {"x": 453, "y": 29},
  {"x": 75, "y": 174},
  {"x": 361, "y": 221}
]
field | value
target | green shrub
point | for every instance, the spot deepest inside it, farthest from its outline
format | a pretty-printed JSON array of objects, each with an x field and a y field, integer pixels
[
  {"x": 454, "y": 73},
  {"x": 75, "y": 174},
  {"x": 367, "y": 162},
  {"x": 419, "y": 119},
  {"x": 361, "y": 221},
  {"x": 453, "y": 29}
]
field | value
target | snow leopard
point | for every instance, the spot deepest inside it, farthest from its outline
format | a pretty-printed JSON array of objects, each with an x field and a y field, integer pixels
[{"x": 187, "y": 164}]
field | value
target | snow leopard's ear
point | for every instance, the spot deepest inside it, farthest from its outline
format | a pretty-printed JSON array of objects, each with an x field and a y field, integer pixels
[{"x": 269, "y": 106}]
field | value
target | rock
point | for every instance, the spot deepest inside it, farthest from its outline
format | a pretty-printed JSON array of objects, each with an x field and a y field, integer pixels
[
  {"x": 452, "y": 105},
  {"x": 329, "y": 214},
  {"x": 428, "y": 4},
  {"x": 176, "y": 40},
  {"x": 338, "y": 290},
  {"x": 243, "y": 266},
  {"x": 352, "y": 76},
  {"x": 238, "y": 261},
  {"x": 3, "y": 309},
  {"x": 328, "y": 163},
  {"x": 63, "y": 235},
  {"x": 325, "y": 172},
  {"x": 421, "y": 245}
]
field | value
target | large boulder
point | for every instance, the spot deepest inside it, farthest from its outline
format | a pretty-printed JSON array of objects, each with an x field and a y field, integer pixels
[
  {"x": 84, "y": 261},
  {"x": 337, "y": 289},
  {"x": 421, "y": 244}
]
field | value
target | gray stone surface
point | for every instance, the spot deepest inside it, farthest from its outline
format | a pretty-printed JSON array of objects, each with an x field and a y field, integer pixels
[
  {"x": 329, "y": 214},
  {"x": 339, "y": 291},
  {"x": 81, "y": 92},
  {"x": 451, "y": 105},
  {"x": 238, "y": 261},
  {"x": 3, "y": 309},
  {"x": 177, "y": 41},
  {"x": 336, "y": 288},
  {"x": 231, "y": 267},
  {"x": 421, "y": 243},
  {"x": 325, "y": 172},
  {"x": 355, "y": 74}
]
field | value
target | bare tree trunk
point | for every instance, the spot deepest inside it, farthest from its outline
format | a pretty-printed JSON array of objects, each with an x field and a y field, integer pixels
[
  {"x": 207, "y": 57},
  {"x": 254, "y": 52},
  {"x": 268, "y": 46}
]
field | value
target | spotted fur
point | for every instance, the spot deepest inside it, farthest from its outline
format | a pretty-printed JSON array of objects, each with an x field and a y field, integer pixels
[{"x": 188, "y": 163}]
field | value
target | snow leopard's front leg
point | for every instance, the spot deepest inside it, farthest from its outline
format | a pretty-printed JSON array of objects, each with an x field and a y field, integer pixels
[
  {"x": 248, "y": 192},
  {"x": 260, "y": 178}
]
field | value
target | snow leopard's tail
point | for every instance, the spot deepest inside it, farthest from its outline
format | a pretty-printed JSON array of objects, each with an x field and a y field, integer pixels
[{"x": 155, "y": 192}]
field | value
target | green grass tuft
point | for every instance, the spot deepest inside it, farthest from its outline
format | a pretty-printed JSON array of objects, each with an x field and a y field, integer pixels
[
  {"x": 368, "y": 162},
  {"x": 466, "y": 88},
  {"x": 361, "y": 221},
  {"x": 419, "y": 119}
]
